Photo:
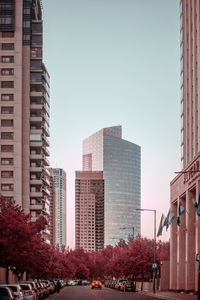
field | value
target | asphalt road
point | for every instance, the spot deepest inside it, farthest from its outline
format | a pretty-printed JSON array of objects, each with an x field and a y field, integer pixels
[{"x": 86, "y": 293}]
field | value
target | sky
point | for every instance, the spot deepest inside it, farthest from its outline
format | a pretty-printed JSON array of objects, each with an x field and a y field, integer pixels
[{"x": 115, "y": 62}]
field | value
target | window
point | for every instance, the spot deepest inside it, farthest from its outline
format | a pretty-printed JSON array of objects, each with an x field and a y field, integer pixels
[
  {"x": 36, "y": 64},
  {"x": 27, "y": 24},
  {"x": 7, "y": 135},
  {"x": 36, "y": 77},
  {"x": 7, "y": 34},
  {"x": 7, "y": 109},
  {"x": 7, "y": 187},
  {"x": 7, "y": 84},
  {"x": 6, "y": 20},
  {"x": 7, "y": 161},
  {"x": 7, "y": 72},
  {"x": 7, "y": 46},
  {"x": 37, "y": 27},
  {"x": 7, "y": 59},
  {"x": 7, "y": 148},
  {"x": 7, "y": 123},
  {"x": 36, "y": 52},
  {"x": 6, "y": 174},
  {"x": 36, "y": 40},
  {"x": 7, "y": 97}
]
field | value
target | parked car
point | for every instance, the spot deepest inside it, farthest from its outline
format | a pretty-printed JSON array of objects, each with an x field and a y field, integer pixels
[
  {"x": 34, "y": 288},
  {"x": 120, "y": 284},
  {"x": 28, "y": 291},
  {"x": 85, "y": 282},
  {"x": 6, "y": 293},
  {"x": 96, "y": 284},
  {"x": 16, "y": 290},
  {"x": 129, "y": 286}
]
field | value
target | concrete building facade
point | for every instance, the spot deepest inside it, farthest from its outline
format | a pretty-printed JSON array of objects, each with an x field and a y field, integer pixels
[
  {"x": 24, "y": 108},
  {"x": 59, "y": 176},
  {"x": 120, "y": 162},
  {"x": 185, "y": 188},
  {"x": 89, "y": 210}
]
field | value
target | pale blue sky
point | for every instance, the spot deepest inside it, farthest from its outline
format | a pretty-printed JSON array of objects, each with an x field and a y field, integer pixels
[{"x": 115, "y": 62}]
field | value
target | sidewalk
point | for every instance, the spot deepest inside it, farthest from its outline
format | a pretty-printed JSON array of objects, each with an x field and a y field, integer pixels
[{"x": 170, "y": 295}]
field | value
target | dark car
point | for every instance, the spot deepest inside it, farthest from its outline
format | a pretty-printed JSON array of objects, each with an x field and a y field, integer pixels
[
  {"x": 6, "y": 294},
  {"x": 96, "y": 284},
  {"x": 129, "y": 286}
]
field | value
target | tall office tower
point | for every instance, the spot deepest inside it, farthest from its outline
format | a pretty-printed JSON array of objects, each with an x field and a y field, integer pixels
[
  {"x": 89, "y": 210},
  {"x": 119, "y": 160},
  {"x": 60, "y": 206},
  {"x": 185, "y": 188},
  {"x": 52, "y": 217},
  {"x": 24, "y": 101}
]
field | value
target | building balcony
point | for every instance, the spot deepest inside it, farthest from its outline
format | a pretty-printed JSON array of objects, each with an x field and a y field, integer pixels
[
  {"x": 36, "y": 207},
  {"x": 45, "y": 140},
  {"x": 45, "y": 190},
  {"x": 36, "y": 194},
  {"x": 45, "y": 160},
  {"x": 46, "y": 171},
  {"x": 46, "y": 130},
  {"x": 36, "y": 106},
  {"x": 36, "y": 182},
  {"x": 45, "y": 211},
  {"x": 46, "y": 151},
  {"x": 36, "y": 156},
  {"x": 45, "y": 179},
  {"x": 36, "y": 169},
  {"x": 38, "y": 144},
  {"x": 36, "y": 94},
  {"x": 36, "y": 119}
]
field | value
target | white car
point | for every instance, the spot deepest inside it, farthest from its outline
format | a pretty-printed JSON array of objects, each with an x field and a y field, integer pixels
[
  {"x": 16, "y": 290},
  {"x": 72, "y": 282},
  {"x": 28, "y": 291}
]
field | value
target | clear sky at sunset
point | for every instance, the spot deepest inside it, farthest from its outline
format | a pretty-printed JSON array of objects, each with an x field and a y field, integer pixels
[{"x": 115, "y": 62}]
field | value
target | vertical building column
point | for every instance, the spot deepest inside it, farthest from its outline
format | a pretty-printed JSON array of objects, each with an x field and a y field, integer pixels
[
  {"x": 197, "y": 237},
  {"x": 173, "y": 251},
  {"x": 181, "y": 249},
  {"x": 190, "y": 242}
]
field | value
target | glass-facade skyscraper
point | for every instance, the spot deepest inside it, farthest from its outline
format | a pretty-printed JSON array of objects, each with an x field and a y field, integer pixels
[
  {"x": 120, "y": 161},
  {"x": 59, "y": 176}
]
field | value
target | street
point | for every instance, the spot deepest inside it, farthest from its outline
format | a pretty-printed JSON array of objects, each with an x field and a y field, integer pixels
[{"x": 86, "y": 293}]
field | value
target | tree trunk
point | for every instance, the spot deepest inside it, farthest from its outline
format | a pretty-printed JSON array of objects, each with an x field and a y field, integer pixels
[
  {"x": 7, "y": 274},
  {"x": 27, "y": 275},
  {"x": 142, "y": 279}
]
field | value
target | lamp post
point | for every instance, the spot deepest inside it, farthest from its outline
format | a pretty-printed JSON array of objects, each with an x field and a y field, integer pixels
[{"x": 154, "y": 265}]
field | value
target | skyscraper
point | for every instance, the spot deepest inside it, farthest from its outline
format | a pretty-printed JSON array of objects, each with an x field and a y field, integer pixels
[
  {"x": 89, "y": 210},
  {"x": 119, "y": 160},
  {"x": 60, "y": 206},
  {"x": 24, "y": 101},
  {"x": 185, "y": 188}
]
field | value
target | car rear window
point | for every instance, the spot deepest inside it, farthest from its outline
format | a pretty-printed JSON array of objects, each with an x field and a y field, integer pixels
[
  {"x": 13, "y": 288},
  {"x": 25, "y": 287}
]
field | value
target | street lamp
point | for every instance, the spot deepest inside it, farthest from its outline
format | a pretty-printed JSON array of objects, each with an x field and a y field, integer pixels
[{"x": 154, "y": 265}]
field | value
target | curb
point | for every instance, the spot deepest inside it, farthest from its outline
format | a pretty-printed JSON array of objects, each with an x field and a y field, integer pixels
[{"x": 157, "y": 295}]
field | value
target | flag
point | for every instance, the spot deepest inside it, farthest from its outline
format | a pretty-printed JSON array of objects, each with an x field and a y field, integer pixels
[
  {"x": 197, "y": 206},
  {"x": 169, "y": 219},
  {"x": 181, "y": 210},
  {"x": 161, "y": 226}
]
